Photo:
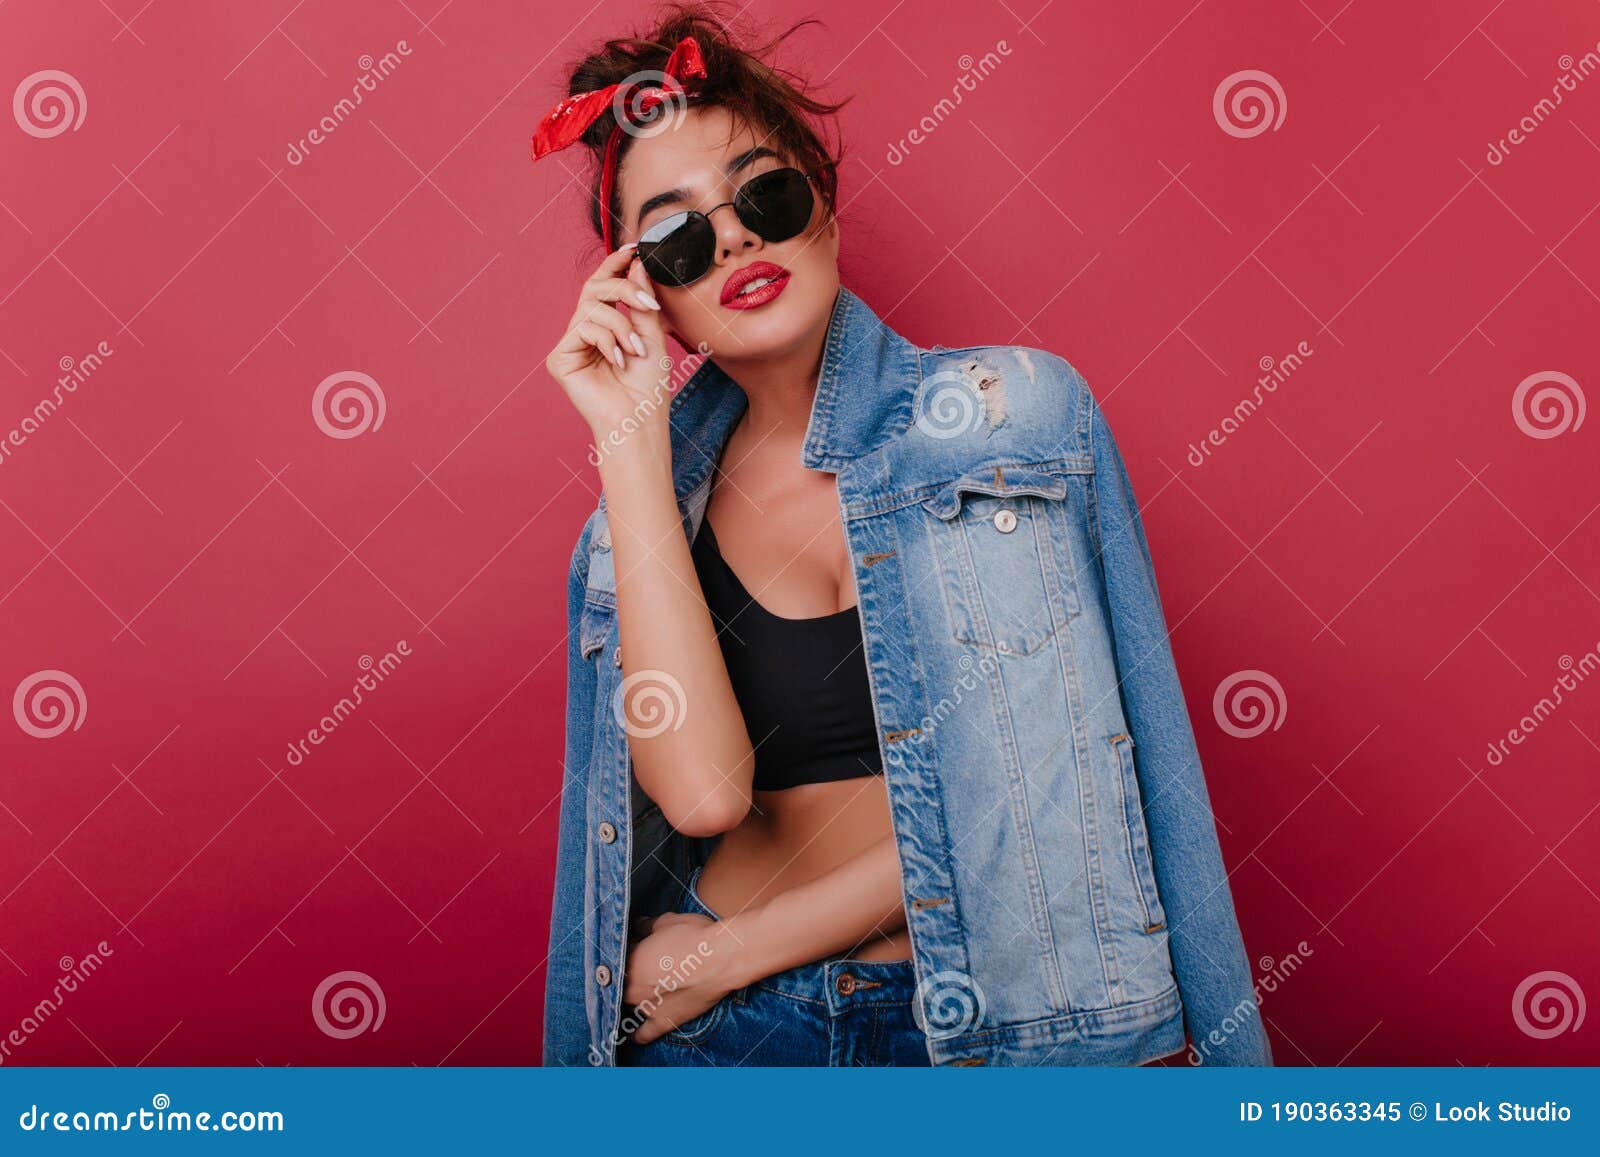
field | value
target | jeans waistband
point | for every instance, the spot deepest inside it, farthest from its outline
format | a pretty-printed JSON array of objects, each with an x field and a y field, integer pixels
[{"x": 840, "y": 983}]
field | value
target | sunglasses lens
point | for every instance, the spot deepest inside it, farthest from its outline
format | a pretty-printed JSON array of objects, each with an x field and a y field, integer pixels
[
  {"x": 775, "y": 205},
  {"x": 678, "y": 250}
]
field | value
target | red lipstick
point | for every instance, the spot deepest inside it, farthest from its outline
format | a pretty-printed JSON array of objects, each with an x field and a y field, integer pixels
[{"x": 734, "y": 295}]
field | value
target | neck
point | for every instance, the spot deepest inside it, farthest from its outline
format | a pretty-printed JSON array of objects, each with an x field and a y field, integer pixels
[{"x": 780, "y": 389}]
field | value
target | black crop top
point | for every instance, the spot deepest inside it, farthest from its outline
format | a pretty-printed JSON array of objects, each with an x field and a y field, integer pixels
[{"x": 801, "y": 683}]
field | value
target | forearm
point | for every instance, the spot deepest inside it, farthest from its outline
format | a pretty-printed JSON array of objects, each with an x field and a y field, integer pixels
[
  {"x": 861, "y": 898},
  {"x": 698, "y": 767}
]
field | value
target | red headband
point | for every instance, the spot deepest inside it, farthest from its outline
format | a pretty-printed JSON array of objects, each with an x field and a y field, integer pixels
[{"x": 570, "y": 119}]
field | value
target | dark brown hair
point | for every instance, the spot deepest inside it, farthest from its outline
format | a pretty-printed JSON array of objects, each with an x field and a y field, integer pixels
[{"x": 740, "y": 79}]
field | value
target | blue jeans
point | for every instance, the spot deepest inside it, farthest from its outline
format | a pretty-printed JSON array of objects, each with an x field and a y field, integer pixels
[{"x": 832, "y": 1012}]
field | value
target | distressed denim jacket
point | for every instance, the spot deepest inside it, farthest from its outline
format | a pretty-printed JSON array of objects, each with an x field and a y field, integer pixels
[{"x": 1065, "y": 893}]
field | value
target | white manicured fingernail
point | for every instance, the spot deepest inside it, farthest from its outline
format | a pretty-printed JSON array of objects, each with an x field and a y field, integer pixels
[
  {"x": 646, "y": 300},
  {"x": 637, "y": 343},
  {"x": 616, "y": 356}
]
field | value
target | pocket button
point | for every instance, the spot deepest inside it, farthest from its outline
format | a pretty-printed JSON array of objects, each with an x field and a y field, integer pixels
[{"x": 1005, "y": 521}]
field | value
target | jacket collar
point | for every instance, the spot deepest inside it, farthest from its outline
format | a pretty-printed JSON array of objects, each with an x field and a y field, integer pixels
[{"x": 865, "y": 391}]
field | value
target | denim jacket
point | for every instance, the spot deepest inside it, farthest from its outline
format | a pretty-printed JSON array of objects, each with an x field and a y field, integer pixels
[{"x": 1064, "y": 890}]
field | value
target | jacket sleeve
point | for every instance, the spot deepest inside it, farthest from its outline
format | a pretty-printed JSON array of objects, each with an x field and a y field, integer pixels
[
  {"x": 1213, "y": 972},
  {"x": 566, "y": 1016}
]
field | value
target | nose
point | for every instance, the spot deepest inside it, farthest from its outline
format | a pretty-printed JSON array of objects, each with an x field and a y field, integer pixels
[{"x": 733, "y": 236}]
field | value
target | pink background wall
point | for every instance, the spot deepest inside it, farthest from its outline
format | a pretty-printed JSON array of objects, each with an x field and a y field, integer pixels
[{"x": 1385, "y": 538}]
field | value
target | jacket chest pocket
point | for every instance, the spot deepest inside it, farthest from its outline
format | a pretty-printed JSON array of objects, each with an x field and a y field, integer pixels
[{"x": 1004, "y": 553}]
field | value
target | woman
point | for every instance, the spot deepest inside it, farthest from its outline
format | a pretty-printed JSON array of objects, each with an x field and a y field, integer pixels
[{"x": 863, "y": 638}]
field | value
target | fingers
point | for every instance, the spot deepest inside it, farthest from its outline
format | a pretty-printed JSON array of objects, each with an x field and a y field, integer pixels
[
  {"x": 602, "y": 339},
  {"x": 648, "y": 321},
  {"x": 621, "y": 327},
  {"x": 624, "y": 289},
  {"x": 613, "y": 264},
  {"x": 668, "y": 919},
  {"x": 610, "y": 282}
]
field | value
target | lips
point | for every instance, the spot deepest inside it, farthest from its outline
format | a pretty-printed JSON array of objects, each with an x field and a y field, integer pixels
[{"x": 735, "y": 295}]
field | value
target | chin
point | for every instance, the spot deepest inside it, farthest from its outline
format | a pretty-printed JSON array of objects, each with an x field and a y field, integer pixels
[{"x": 774, "y": 330}]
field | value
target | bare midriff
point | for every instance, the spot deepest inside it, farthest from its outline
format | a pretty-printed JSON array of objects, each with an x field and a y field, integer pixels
[{"x": 792, "y": 837}]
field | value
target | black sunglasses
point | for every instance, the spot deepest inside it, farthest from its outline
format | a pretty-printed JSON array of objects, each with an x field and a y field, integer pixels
[{"x": 679, "y": 250}]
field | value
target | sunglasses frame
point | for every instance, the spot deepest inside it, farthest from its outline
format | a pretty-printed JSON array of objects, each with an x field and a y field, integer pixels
[{"x": 689, "y": 216}]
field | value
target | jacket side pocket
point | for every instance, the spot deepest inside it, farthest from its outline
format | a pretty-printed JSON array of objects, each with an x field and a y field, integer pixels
[{"x": 1144, "y": 874}]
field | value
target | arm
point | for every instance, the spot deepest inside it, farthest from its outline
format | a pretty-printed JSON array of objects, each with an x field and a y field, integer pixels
[
  {"x": 859, "y": 899},
  {"x": 691, "y": 753},
  {"x": 833, "y": 913},
  {"x": 1207, "y": 951}
]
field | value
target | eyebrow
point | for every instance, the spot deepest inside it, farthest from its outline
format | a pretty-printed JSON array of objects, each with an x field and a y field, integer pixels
[{"x": 681, "y": 196}]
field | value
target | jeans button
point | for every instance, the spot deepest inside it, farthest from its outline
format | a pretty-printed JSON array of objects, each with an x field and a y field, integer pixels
[
  {"x": 602, "y": 975},
  {"x": 616, "y": 660},
  {"x": 846, "y": 983},
  {"x": 607, "y": 833},
  {"x": 1005, "y": 521}
]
